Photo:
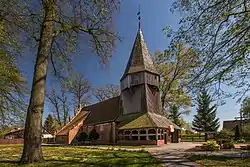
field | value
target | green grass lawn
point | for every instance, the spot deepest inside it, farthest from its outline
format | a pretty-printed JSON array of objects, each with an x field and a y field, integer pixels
[
  {"x": 220, "y": 161},
  {"x": 78, "y": 156},
  {"x": 118, "y": 146}
]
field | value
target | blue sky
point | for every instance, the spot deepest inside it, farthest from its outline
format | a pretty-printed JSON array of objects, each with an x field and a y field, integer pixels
[{"x": 155, "y": 15}]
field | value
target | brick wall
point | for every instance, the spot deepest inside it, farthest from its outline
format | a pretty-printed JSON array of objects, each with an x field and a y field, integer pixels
[
  {"x": 62, "y": 139},
  {"x": 104, "y": 130},
  {"x": 11, "y": 141},
  {"x": 137, "y": 142},
  {"x": 160, "y": 142}
]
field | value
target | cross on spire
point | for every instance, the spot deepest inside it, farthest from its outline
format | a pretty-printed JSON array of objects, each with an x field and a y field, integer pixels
[{"x": 139, "y": 17}]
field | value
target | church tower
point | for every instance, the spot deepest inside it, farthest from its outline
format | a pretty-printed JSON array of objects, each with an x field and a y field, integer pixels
[{"x": 140, "y": 81}]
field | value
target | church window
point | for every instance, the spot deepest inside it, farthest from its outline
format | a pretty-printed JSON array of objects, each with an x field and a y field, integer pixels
[
  {"x": 159, "y": 137},
  {"x": 135, "y": 79},
  {"x": 127, "y": 132},
  {"x": 152, "y": 137},
  {"x": 142, "y": 131},
  {"x": 120, "y": 132},
  {"x": 134, "y": 137},
  {"x": 134, "y": 132},
  {"x": 151, "y": 131}
]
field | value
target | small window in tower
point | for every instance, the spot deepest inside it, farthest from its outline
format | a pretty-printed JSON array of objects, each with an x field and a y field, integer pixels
[
  {"x": 134, "y": 79},
  {"x": 101, "y": 128}
]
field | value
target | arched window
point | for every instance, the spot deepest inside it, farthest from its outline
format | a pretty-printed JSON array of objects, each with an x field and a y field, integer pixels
[
  {"x": 120, "y": 132},
  {"x": 151, "y": 131},
  {"x": 127, "y": 132},
  {"x": 153, "y": 137},
  {"x": 142, "y": 131},
  {"x": 135, "y": 132}
]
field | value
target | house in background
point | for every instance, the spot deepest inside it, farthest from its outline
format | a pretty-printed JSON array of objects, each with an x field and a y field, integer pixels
[
  {"x": 16, "y": 133},
  {"x": 231, "y": 124},
  {"x": 135, "y": 117}
]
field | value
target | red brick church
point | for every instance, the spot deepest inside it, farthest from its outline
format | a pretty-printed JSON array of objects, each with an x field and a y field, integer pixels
[{"x": 135, "y": 117}]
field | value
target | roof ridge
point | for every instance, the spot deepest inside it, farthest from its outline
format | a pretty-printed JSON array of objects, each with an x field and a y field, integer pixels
[
  {"x": 148, "y": 115},
  {"x": 65, "y": 126},
  {"x": 100, "y": 102}
]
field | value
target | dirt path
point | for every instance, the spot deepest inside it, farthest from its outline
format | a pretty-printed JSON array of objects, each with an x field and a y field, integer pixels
[{"x": 172, "y": 155}]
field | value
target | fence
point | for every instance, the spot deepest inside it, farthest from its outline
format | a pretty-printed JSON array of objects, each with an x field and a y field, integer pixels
[
  {"x": 11, "y": 141},
  {"x": 193, "y": 138}
]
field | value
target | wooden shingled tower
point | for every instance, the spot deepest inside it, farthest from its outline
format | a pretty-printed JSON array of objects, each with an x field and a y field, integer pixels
[{"x": 140, "y": 81}]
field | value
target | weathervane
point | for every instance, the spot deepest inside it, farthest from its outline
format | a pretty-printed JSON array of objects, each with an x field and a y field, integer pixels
[{"x": 139, "y": 17}]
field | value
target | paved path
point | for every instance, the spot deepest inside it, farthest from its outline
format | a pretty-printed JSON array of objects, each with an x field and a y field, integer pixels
[{"x": 172, "y": 155}]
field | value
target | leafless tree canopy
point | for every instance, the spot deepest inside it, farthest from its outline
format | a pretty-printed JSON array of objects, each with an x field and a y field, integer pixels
[
  {"x": 106, "y": 92},
  {"x": 80, "y": 88}
]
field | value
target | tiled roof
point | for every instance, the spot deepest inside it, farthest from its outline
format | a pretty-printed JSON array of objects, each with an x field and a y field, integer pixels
[
  {"x": 80, "y": 116},
  {"x": 105, "y": 111},
  {"x": 162, "y": 121},
  {"x": 145, "y": 120},
  {"x": 14, "y": 131},
  {"x": 140, "y": 58},
  {"x": 132, "y": 121}
]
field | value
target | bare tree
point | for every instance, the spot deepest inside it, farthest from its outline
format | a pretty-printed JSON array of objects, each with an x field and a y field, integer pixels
[
  {"x": 106, "y": 92},
  {"x": 64, "y": 103},
  {"x": 53, "y": 99},
  {"x": 80, "y": 89},
  {"x": 55, "y": 28}
]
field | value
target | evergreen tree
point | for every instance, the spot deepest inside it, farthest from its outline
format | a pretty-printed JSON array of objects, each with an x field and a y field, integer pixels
[
  {"x": 237, "y": 133},
  {"x": 205, "y": 120},
  {"x": 49, "y": 124},
  {"x": 174, "y": 115}
]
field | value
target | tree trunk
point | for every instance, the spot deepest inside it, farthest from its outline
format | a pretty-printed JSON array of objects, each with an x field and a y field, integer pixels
[
  {"x": 163, "y": 96},
  {"x": 205, "y": 137},
  {"x": 33, "y": 127}
]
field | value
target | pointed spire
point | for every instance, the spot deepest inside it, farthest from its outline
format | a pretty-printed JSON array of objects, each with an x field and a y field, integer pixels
[{"x": 140, "y": 58}]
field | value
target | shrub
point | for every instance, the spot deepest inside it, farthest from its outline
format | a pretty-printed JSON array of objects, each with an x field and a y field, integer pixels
[
  {"x": 237, "y": 133},
  {"x": 210, "y": 146},
  {"x": 246, "y": 130},
  {"x": 241, "y": 141},
  {"x": 93, "y": 135},
  {"x": 228, "y": 145},
  {"x": 82, "y": 136},
  {"x": 248, "y": 147},
  {"x": 225, "y": 134}
]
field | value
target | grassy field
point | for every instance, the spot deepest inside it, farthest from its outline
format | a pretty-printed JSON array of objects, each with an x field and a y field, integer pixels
[
  {"x": 118, "y": 146},
  {"x": 220, "y": 161},
  {"x": 77, "y": 156}
]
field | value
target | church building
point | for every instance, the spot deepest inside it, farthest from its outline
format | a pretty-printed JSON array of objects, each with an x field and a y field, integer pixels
[{"x": 135, "y": 117}]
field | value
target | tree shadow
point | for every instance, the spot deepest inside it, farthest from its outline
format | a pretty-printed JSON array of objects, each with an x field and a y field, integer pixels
[
  {"x": 211, "y": 157},
  {"x": 101, "y": 163}
]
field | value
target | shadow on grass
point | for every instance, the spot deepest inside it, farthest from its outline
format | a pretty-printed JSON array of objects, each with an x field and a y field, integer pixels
[
  {"x": 109, "y": 158},
  {"x": 210, "y": 157},
  {"x": 102, "y": 163}
]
